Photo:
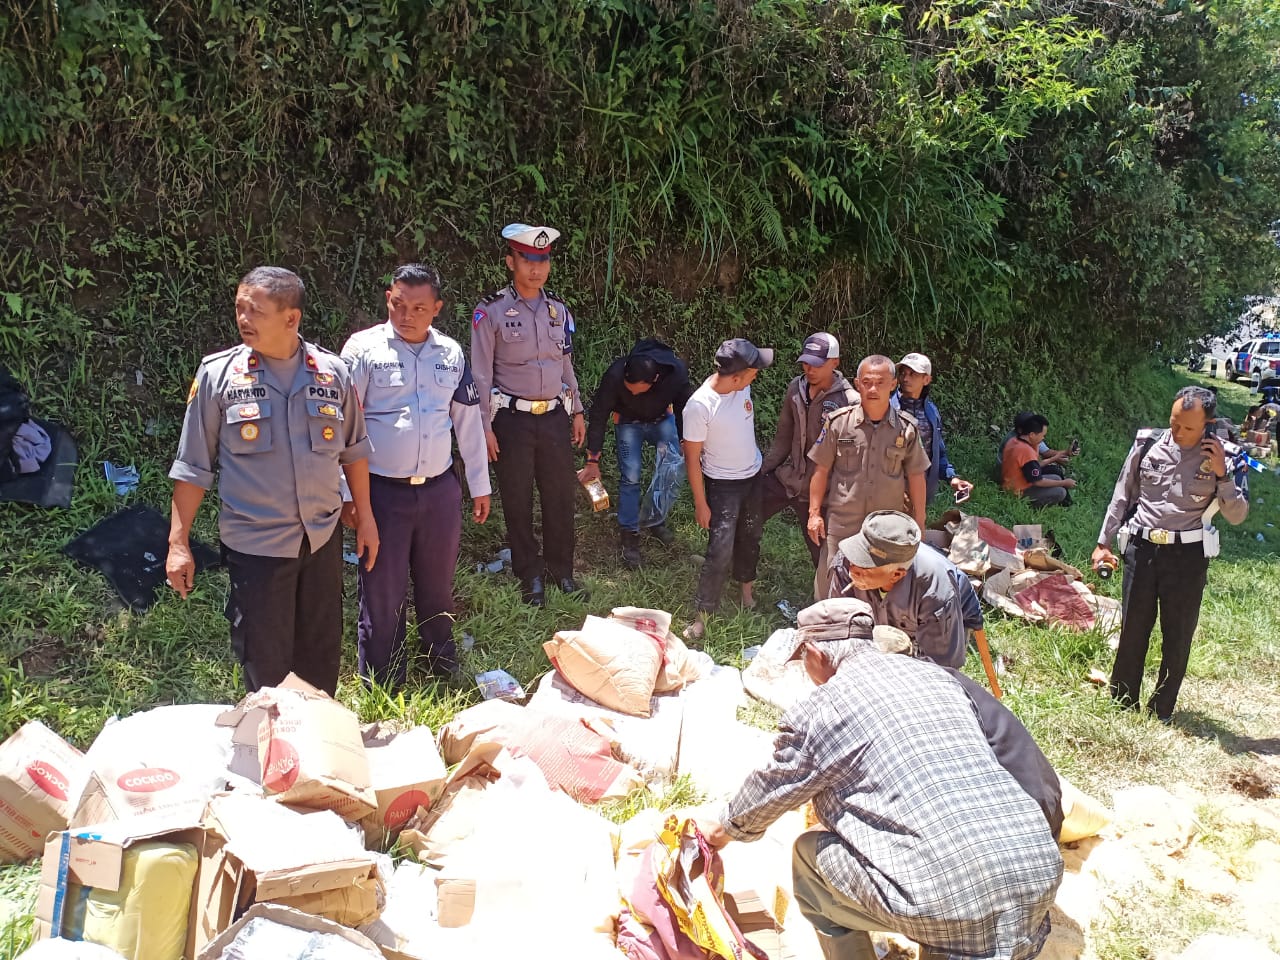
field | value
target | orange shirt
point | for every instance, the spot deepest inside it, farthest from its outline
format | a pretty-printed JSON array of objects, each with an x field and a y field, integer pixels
[{"x": 1019, "y": 465}]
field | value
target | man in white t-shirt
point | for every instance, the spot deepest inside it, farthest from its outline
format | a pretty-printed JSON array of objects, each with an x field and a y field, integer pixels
[{"x": 723, "y": 463}]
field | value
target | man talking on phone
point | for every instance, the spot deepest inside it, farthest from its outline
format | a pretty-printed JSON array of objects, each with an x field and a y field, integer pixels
[{"x": 1172, "y": 484}]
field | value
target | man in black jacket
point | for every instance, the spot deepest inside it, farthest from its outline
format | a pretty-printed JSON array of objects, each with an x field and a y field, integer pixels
[{"x": 644, "y": 393}]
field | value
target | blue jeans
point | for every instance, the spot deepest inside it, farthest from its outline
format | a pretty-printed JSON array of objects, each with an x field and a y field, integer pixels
[{"x": 631, "y": 439}]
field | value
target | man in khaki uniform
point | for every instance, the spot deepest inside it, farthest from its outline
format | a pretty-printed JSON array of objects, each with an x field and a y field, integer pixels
[
  {"x": 522, "y": 360},
  {"x": 867, "y": 458}
]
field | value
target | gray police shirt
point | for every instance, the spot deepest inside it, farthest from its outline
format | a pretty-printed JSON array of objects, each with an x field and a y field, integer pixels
[
  {"x": 523, "y": 347},
  {"x": 413, "y": 399},
  {"x": 1171, "y": 490},
  {"x": 277, "y": 448}
]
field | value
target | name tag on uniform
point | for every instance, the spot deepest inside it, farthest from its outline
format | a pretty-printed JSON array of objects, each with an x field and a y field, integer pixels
[{"x": 322, "y": 393}]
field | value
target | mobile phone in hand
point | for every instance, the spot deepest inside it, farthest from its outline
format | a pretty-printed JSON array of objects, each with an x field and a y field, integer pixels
[
  {"x": 963, "y": 494},
  {"x": 1075, "y": 446}
]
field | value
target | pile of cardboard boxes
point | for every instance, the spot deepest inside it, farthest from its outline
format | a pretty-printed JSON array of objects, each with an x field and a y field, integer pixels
[{"x": 220, "y": 826}]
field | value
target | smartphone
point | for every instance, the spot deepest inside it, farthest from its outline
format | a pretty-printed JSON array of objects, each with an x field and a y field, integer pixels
[
  {"x": 1075, "y": 446},
  {"x": 963, "y": 494},
  {"x": 1211, "y": 430}
]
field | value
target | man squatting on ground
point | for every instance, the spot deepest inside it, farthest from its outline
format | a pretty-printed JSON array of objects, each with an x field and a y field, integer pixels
[
  {"x": 819, "y": 391},
  {"x": 723, "y": 464},
  {"x": 418, "y": 393},
  {"x": 938, "y": 813},
  {"x": 908, "y": 585},
  {"x": 275, "y": 417},
  {"x": 645, "y": 394},
  {"x": 1171, "y": 485}
]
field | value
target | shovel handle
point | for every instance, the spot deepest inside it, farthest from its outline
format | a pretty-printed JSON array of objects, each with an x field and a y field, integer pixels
[{"x": 984, "y": 651}]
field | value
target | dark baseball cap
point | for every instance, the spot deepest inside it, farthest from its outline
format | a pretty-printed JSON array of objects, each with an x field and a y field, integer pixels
[
  {"x": 887, "y": 536},
  {"x": 737, "y": 355},
  {"x": 819, "y": 348}
]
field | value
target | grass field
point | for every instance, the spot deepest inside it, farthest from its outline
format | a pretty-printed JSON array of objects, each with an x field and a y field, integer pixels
[{"x": 73, "y": 656}]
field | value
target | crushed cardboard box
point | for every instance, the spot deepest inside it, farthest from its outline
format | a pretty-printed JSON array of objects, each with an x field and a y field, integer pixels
[
  {"x": 38, "y": 774},
  {"x": 303, "y": 747},
  {"x": 169, "y": 760},
  {"x": 407, "y": 774},
  {"x": 308, "y": 860}
]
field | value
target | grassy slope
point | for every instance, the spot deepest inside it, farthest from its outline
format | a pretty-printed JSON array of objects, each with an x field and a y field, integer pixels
[{"x": 73, "y": 657}]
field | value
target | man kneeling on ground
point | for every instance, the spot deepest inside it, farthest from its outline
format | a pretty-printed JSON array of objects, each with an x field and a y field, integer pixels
[{"x": 924, "y": 829}]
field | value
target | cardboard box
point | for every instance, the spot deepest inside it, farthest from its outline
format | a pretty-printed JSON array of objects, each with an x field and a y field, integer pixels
[
  {"x": 303, "y": 747},
  {"x": 312, "y": 861},
  {"x": 39, "y": 772},
  {"x": 167, "y": 761},
  {"x": 289, "y": 918},
  {"x": 407, "y": 774},
  {"x": 94, "y": 857}
]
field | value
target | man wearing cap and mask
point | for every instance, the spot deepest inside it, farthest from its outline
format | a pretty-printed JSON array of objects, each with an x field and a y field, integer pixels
[
  {"x": 522, "y": 360},
  {"x": 868, "y": 457},
  {"x": 723, "y": 463},
  {"x": 915, "y": 374},
  {"x": 967, "y": 866},
  {"x": 913, "y": 588},
  {"x": 644, "y": 393},
  {"x": 819, "y": 391}
]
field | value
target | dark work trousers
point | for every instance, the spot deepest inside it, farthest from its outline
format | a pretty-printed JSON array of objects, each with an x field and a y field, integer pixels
[
  {"x": 286, "y": 614},
  {"x": 419, "y": 528},
  {"x": 774, "y": 499},
  {"x": 536, "y": 450},
  {"x": 734, "y": 536},
  {"x": 1173, "y": 577}
]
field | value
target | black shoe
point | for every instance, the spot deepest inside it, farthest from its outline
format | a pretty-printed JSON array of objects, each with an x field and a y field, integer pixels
[
  {"x": 532, "y": 593},
  {"x": 661, "y": 533},
  {"x": 631, "y": 549},
  {"x": 570, "y": 586}
]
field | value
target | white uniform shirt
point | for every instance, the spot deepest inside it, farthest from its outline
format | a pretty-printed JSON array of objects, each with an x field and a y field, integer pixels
[
  {"x": 412, "y": 401},
  {"x": 725, "y": 425}
]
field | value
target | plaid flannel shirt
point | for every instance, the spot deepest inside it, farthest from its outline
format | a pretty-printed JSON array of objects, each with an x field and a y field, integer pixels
[{"x": 926, "y": 829}]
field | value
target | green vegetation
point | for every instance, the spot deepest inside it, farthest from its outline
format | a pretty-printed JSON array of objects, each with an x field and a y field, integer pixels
[{"x": 1041, "y": 194}]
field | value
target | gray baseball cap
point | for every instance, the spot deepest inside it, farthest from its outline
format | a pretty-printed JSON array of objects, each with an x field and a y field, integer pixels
[
  {"x": 737, "y": 355},
  {"x": 887, "y": 536}
]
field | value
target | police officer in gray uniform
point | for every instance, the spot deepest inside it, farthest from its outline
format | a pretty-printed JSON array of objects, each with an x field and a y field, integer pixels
[
  {"x": 522, "y": 359},
  {"x": 1158, "y": 514},
  {"x": 907, "y": 586},
  {"x": 418, "y": 392},
  {"x": 275, "y": 417}
]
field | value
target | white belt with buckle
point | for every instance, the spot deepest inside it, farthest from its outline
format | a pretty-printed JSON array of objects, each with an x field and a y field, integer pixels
[
  {"x": 1164, "y": 537},
  {"x": 536, "y": 407}
]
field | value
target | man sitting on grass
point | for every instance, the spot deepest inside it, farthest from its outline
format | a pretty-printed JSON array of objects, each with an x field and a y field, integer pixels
[{"x": 1021, "y": 471}]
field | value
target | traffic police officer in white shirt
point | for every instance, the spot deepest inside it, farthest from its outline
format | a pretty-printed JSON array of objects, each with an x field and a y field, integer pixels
[
  {"x": 1171, "y": 485},
  {"x": 418, "y": 393},
  {"x": 522, "y": 357},
  {"x": 275, "y": 417}
]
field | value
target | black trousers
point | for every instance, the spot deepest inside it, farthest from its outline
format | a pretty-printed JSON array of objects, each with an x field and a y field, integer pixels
[
  {"x": 535, "y": 450},
  {"x": 774, "y": 499},
  {"x": 734, "y": 537},
  {"x": 1171, "y": 578},
  {"x": 286, "y": 614}
]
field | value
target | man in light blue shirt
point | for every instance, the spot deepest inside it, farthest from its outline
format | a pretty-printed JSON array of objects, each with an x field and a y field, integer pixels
[{"x": 418, "y": 394}]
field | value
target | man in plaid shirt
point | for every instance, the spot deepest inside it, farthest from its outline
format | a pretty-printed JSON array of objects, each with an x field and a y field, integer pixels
[{"x": 923, "y": 831}]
